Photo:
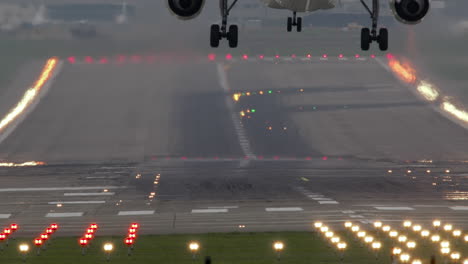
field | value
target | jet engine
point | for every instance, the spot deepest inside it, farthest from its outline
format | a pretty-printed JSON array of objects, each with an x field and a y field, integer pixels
[
  {"x": 410, "y": 11},
  {"x": 186, "y": 9}
]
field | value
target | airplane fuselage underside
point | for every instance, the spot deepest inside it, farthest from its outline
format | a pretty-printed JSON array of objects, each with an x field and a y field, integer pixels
[{"x": 300, "y": 5}]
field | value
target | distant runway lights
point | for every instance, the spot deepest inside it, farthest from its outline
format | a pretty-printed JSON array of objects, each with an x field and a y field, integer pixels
[
  {"x": 131, "y": 237},
  {"x": 393, "y": 234},
  {"x": 445, "y": 244},
  {"x": 447, "y": 171},
  {"x": 38, "y": 243},
  {"x": 402, "y": 239},
  {"x": 445, "y": 251},
  {"x": 455, "y": 256},
  {"x": 376, "y": 246},
  {"x": 425, "y": 233},
  {"x": 194, "y": 247},
  {"x": 465, "y": 261},
  {"x": 355, "y": 228},
  {"x": 368, "y": 239},
  {"x": 466, "y": 238},
  {"x": 411, "y": 244},
  {"x": 318, "y": 224},
  {"x": 212, "y": 57},
  {"x": 407, "y": 224},
  {"x": 24, "y": 250},
  {"x": 108, "y": 248},
  {"x": 435, "y": 238},
  {"x": 71, "y": 60},
  {"x": 405, "y": 258},
  {"x": 436, "y": 224},
  {"x": 309, "y": 56},
  {"x": 386, "y": 228},
  {"x": 373, "y": 56},
  {"x": 448, "y": 227},
  {"x": 341, "y": 248},
  {"x": 378, "y": 224},
  {"x": 417, "y": 228},
  {"x": 325, "y": 56},
  {"x": 416, "y": 261},
  {"x": 361, "y": 234},
  {"x": 428, "y": 171},
  {"x": 228, "y": 57},
  {"x": 245, "y": 57},
  {"x": 457, "y": 233},
  {"x": 390, "y": 171},
  {"x": 341, "y": 56},
  {"x": 89, "y": 59},
  {"x": 278, "y": 247},
  {"x": 396, "y": 251},
  {"x": 348, "y": 224}
]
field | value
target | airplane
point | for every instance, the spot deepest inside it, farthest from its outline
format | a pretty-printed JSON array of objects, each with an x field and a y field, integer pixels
[{"x": 406, "y": 11}]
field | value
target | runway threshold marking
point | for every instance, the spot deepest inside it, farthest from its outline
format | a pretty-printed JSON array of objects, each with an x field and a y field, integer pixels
[
  {"x": 74, "y": 214},
  {"x": 284, "y": 209},
  {"x": 402, "y": 208},
  {"x": 5, "y": 216},
  {"x": 207, "y": 211},
  {"x": 89, "y": 194},
  {"x": 146, "y": 212},
  {"x": 78, "y": 202},
  {"x": 47, "y": 189},
  {"x": 459, "y": 208}
]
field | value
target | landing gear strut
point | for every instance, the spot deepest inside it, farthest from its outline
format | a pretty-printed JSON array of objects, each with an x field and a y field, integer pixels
[
  {"x": 370, "y": 35},
  {"x": 295, "y": 21},
  {"x": 220, "y": 32}
]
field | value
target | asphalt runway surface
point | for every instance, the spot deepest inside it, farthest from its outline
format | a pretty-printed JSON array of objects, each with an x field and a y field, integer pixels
[{"x": 189, "y": 146}]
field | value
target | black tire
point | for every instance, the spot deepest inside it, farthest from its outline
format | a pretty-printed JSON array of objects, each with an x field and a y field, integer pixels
[
  {"x": 215, "y": 36},
  {"x": 299, "y": 24},
  {"x": 383, "y": 39},
  {"x": 365, "y": 39},
  {"x": 290, "y": 24},
  {"x": 233, "y": 36}
]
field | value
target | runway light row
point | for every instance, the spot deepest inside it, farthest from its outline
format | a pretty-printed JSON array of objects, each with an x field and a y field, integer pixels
[
  {"x": 335, "y": 240},
  {"x": 7, "y": 232}
]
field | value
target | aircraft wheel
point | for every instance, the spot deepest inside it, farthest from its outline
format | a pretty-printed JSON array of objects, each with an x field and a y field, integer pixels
[
  {"x": 365, "y": 39},
  {"x": 215, "y": 36},
  {"x": 299, "y": 24},
  {"x": 290, "y": 22},
  {"x": 383, "y": 39},
  {"x": 233, "y": 36}
]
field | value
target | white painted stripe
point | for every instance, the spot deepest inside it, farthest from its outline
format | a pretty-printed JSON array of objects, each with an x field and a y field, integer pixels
[
  {"x": 76, "y": 214},
  {"x": 315, "y": 196},
  {"x": 5, "y": 216},
  {"x": 224, "y": 207},
  {"x": 89, "y": 194},
  {"x": 348, "y": 212},
  {"x": 328, "y": 202},
  {"x": 103, "y": 177},
  {"x": 148, "y": 212},
  {"x": 204, "y": 211},
  {"x": 394, "y": 208},
  {"x": 356, "y": 216},
  {"x": 322, "y": 199},
  {"x": 78, "y": 202},
  {"x": 284, "y": 209},
  {"x": 459, "y": 208},
  {"x": 48, "y": 189}
]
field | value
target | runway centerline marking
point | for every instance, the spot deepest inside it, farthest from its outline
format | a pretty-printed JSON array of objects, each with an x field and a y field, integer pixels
[
  {"x": 147, "y": 212},
  {"x": 78, "y": 202},
  {"x": 48, "y": 189},
  {"x": 459, "y": 208},
  {"x": 89, "y": 194},
  {"x": 206, "y": 211},
  {"x": 74, "y": 214},
  {"x": 402, "y": 208},
  {"x": 5, "y": 216},
  {"x": 328, "y": 202},
  {"x": 284, "y": 209}
]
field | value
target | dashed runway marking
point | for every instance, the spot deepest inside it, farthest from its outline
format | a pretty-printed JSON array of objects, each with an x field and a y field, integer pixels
[
  {"x": 49, "y": 189},
  {"x": 89, "y": 194},
  {"x": 459, "y": 208},
  {"x": 284, "y": 209},
  {"x": 328, "y": 202},
  {"x": 57, "y": 215},
  {"x": 147, "y": 212},
  {"x": 402, "y": 208},
  {"x": 5, "y": 216},
  {"x": 78, "y": 202},
  {"x": 208, "y": 211}
]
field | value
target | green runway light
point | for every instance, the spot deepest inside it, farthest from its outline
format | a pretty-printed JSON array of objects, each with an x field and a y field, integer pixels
[
  {"x": 253, "y": 110},
  {"x": 270, "y": 92},
  {"x": 243, "y": 94}
]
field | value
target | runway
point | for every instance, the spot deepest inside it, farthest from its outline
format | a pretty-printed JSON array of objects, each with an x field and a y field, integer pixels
[{"x": 245, "y": 144}]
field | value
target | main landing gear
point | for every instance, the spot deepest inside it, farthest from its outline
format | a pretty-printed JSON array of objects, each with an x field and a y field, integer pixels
[
  {"x": 295, "y": 21},
  {"x": 370, "y": 35},
  {"x": 220, "y": 32}
]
